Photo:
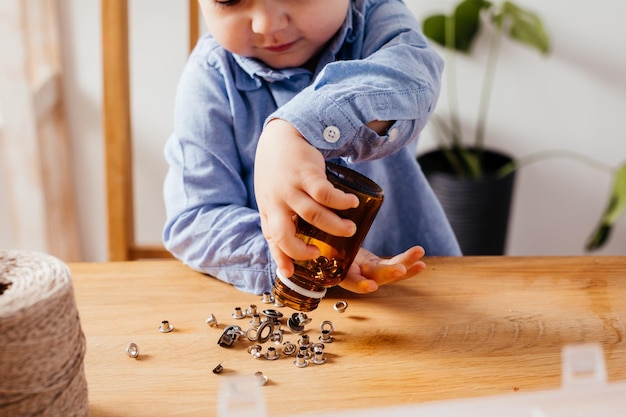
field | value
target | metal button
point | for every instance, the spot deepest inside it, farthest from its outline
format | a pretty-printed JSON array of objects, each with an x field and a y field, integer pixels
[
  {"x": 271, "y": 353},
  {"x": 265, "y": 331},
  {"x": 256, "y": 320},
  {"x": 341, "y": 306},
  {"x": 297, "y": 321},
  {"x": 251, "y": 311},
  {"x": 211, "y": 321},
  {"x": 238, "y": 313},
  {"x": 289, "y": 348},
  {"x": 318, "y": 357},
  {"x": 301, "y": 361},
  {"x": 277, "y": 337},
  {"x": 132, "y": 350},
  {"x": 304, "y": 341},
  {"x": 261, "y": 379},
  {"x": 230, "y": 335},
  {"x": 273, "y": 314},
  {"x": 304, "y": 351},
  {"x": 327, "y": 325},
  {"x": 267, "y": 298},
  {"x": 331, "y": 134},
  {"x": 255, "y": 351},
  {"x": 316, "y": 347},
  {"x": 252, "y": 334},
  {"x": 219, "y": 368},
  {"x": 326, "y": 337},
  {"x": 166, "y": 327}
]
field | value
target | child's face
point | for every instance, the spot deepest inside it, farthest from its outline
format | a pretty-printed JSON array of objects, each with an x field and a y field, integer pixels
[{"x": 281, "y": 33}]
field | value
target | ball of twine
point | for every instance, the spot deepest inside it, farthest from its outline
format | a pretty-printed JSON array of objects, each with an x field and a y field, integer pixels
[{"x": 42, "y": 346}]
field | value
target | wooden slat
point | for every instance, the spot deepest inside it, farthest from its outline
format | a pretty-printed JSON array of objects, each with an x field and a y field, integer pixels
[
  {"x": 117, "y": 117},
  {"x": 117, "y": 129},
  {"x": 194, "y": 23},
  {"x": 149, "y": 252}
]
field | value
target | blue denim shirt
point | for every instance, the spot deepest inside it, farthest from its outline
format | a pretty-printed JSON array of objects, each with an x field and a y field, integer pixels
[{"x": 379, "y": 66}]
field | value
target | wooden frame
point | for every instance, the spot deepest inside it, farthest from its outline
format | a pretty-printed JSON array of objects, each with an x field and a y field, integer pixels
[{"x": 117, "y": 131}]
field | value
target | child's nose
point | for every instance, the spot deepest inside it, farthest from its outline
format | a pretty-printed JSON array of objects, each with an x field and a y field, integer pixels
[{"x": 268, "y": 20}]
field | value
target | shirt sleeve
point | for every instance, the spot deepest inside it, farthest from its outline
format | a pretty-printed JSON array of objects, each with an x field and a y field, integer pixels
[
  {"x": 212, "y": 222},
  {"x": 396, "y": 78}
]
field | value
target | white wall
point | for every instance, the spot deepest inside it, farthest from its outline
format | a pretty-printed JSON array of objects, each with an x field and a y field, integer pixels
[{"x": 574, "y": 99}]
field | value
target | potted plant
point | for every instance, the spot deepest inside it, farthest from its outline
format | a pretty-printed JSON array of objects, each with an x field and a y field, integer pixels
[{"x": 475, "y": 183}]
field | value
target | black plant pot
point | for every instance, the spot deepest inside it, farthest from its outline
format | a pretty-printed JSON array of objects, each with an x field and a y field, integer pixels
[{"x": 478, "y": 209}]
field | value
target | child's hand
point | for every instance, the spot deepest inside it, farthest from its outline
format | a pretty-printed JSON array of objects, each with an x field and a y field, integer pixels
[
  {"x": 290, "y": 179},
  {"x": 368, "y": 271}
]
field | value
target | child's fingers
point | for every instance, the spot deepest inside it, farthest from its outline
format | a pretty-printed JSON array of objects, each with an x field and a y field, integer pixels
[
  {"x": 314, "y": 206},
  {"x": 407, "y": 258},
  {"x": 358, "y": 284},
  {"x": 384, "y": 274},
  {"x": 402, "y": 266},
  {"x": 280, "y": 233}
]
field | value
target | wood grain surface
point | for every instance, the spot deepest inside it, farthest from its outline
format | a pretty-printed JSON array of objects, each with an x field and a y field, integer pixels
[{"x": 465, "y": 327}]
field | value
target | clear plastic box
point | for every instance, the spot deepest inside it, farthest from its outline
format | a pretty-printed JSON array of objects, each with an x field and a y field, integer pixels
[{"x": 584, "y": 393}]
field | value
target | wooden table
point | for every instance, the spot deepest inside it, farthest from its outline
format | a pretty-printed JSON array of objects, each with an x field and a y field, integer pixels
[{"x": 466, "y": 327}]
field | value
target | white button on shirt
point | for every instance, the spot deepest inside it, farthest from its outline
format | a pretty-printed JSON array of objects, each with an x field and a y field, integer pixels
[
  {"x": 393, "y": 134},
  {"x": 332, "y": 134}
]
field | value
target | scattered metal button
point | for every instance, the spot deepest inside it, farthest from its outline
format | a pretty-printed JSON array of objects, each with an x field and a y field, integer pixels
[
  {"x": 132, "y": 350},
  {"x": 302, "y": 318},
  {"x": 265, "y": 331},
  {"x": 256, "y": 320},
  {"x": 252, "y": 334},
  {"x": 271, "y": 353},
  {"x": 166, "y": 327},
  {"x": 255, "y": 351},
  {"x": 289, "y": 348},
  {"x": 326, "y": 337},
  {"x": 211, "y": 320},
  {"x": 230, "y": 335},
  {"x": 297, "y": 321},
  {"x": 341, "y": 306},
  {"x": 261, "y": 379},
  {"x": 327, "y": 325},
  {"x": 219, "y": 368},
  {"x": 273, "y": 314},
  {"x": 251, "y": 311},
  {"x": 267, "y": 298},
  {"x": 304, "y": 341},
  {"x": 317, "y": 347},
  {"x": 304, "y": 351},
  {"x": 318, "y": 357},
  {"x": 301, "y": 361},
  {"x": 277, "y": 337},
  {"x": 238, "y": 313},
  {"x": 294, "y": 326}
]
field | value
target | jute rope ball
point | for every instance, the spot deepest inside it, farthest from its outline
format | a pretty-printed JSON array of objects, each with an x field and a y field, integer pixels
[{"x": 42, "y": 346}]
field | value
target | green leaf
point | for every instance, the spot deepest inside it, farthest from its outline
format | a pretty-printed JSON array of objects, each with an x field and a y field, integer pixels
[
  {"x": 615, "y": 210},
  {"x": 434, "y": 28},
  {"x": 466, "y": 20},
  {"x": 523, "y": 26}
]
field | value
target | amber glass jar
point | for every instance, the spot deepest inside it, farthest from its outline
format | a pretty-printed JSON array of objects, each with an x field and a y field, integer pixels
[{"x": 307, "y": 286}]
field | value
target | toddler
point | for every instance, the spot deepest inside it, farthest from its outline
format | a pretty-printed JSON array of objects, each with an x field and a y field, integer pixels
[{"x": 272, "y": 92}]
